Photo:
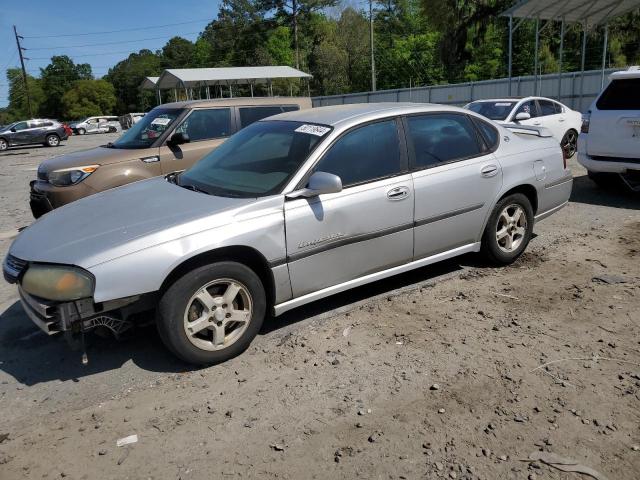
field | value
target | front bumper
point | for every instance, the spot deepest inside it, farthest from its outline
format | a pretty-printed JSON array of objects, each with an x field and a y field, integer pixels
[{"x": 45, "y": 197}]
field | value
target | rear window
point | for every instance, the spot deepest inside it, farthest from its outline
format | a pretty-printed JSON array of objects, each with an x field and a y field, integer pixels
[
  {"x": 249, "y": 115},
  {"x": 623, "y": 94},
  {"x": 495, "y": 110}
]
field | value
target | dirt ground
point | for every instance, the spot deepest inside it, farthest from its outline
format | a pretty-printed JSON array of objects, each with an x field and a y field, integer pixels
[{"x": 433, "y": 374}]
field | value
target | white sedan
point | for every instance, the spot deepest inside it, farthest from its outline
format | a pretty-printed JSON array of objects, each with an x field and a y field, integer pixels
[{"x": 561, "y": 121}]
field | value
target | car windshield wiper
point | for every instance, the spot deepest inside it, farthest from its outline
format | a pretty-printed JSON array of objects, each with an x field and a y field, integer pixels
[
  {"x": 110, "y": 145},
  {"x": 192, "y": 187}
]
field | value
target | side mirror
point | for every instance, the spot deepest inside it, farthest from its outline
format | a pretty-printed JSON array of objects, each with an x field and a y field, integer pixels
[
  {"x": 319, "y": 184},
  {"x": 179, "y": 138},
  {"x": 13, "y": 129},
  {"x": 522, "y": 116}
]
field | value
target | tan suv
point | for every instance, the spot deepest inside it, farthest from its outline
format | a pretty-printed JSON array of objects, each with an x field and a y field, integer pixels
[{"x": 169, "y": 138}]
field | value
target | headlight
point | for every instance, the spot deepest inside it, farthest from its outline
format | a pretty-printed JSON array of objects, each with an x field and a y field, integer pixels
[
  {"x": 71, "y": 176},
  {"x": 57, "y": 282}
]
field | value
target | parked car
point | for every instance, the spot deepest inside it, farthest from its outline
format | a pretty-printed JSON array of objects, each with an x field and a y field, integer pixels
[
  {"x": 289, "y": 210},
  {"x": 609, "y": 142},
  {"x": 561, "y": 121},
  {"x": 101, "y": 124},
  {"x": 68, "y": 130},
  {"x": 170, "y": 137},
  {"x": 27, "y": 132},
  {"x": 129, "y": 119}
]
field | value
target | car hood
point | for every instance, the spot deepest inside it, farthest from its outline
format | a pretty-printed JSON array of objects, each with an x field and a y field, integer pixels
[
  {"x": 120, "y": 221},
  {"x": 94, "y": 156}
]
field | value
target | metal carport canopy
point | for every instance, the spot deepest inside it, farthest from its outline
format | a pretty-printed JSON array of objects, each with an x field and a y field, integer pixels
[
  {"x": 150, "y": 82},
  {"x": 195, "y": 77},
  {"x": 591, "y": 12}
]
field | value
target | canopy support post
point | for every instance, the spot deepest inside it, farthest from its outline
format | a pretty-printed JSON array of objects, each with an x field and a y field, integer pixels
[
  {"x": 159, "y": 96},
  {"x": 584, "y": 52},
  {"x": 510, "y": 49},
  {"x": 604, "y": 54},
  {"x": 535, "y": 60},
  {"x": 309, "y": 88},
  {"x": 560, "y": 59},
  {"x": 251, "y": 87}
]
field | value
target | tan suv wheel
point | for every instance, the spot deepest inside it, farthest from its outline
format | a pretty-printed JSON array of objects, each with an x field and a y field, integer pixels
[{"x": 212, "y": 313}]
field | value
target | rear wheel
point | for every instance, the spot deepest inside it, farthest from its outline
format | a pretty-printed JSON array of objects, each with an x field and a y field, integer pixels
[
  {"x": 52, "y": 141},
  {"x": 569, "y": 143},
  {"x": 508, "y": 230},
  {"x": 212, "y": 313},
  {"x": 3, "y": 145}
]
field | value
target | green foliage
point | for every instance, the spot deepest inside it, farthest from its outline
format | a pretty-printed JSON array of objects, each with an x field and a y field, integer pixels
[
  {"x": 18, "y": 106},
  {"x": 57, "y": 78},
  {"x": 127, "y": 76},
  {"x": 88, "y": 98}
]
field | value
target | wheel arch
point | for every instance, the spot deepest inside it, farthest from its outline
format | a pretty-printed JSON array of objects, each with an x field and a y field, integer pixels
[
  {"x": 242, "y": 254},
  {"x": 527, "y": 190}
]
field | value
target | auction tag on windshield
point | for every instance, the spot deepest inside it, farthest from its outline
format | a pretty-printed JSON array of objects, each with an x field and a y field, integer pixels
[
  {"x": 502, "y": 104},
  {"x": 316, "y": 130},
  {"x": 160, "y": 121}
]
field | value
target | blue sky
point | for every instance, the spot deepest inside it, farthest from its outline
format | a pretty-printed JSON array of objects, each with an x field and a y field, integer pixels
[{"x": 39, "y": 18}]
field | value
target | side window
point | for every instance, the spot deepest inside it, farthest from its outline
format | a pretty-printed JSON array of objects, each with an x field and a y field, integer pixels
[
  {"x": 441, "y": 138},
  {"x": 364, "y": 154},
  {"x": 20, "y": 126},
  {"x": 621, "y": 94},
  {"x": 207, "y": 124},
  {"x": 489, "y": 133},
  {"x": 35, "y": 124},
  {"x": 92, "y": 121},
  {"x": 547, "y": 107},
  {"x": 290, "y": 108},
  {"x": 558, "y": 107},
  {"x": 528, "y": 107},
  {"x": 248, "y": 115},
  {"x": 48, "y": 124}
]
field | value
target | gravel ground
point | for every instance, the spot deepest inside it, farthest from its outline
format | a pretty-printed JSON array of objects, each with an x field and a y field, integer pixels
[{"x": 432, "y": 374}]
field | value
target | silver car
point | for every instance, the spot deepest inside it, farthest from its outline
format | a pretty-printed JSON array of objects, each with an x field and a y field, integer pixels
[{"x": 290, "y": 210}]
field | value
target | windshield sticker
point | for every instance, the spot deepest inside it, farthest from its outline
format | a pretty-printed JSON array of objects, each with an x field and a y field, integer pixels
[
  {"x": 316, "y": 130},
  {"x": 161, "y": 121},
  {"x": 502, "y": 104}
]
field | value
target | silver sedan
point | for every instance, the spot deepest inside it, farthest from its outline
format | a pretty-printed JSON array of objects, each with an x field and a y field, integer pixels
[{"x": 290, "y": 210}]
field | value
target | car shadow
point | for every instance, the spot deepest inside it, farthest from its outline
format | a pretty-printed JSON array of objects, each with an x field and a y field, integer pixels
[
  {"x": 587, "y": 192},
  {"x": 32, "y": 357}
]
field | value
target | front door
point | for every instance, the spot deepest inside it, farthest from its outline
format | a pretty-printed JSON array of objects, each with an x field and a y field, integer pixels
[
  {"x": 207, "y": 128},
  {"x": 456, "y": 179},
  {"x": 365, "y": 228},
  {"x": 21, "y": 134}
]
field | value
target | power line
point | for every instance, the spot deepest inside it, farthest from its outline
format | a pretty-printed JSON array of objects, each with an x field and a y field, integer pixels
[
  {"x": 111, "y": 43},
  {"x": 99, "y": 54},
  {"x": 151, "y": 27}
]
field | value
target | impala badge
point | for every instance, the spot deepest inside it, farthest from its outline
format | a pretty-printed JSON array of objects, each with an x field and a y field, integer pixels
[{"x": 328, "y": 238}]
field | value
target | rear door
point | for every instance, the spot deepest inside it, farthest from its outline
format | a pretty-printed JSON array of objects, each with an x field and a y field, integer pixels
[
  {"x": 551, "y": 117},
  {"x": 614, "y": 129},
  {"x": 456, "y": 179},
  {"x": 365, "y": 228},
  {"x": 207, "y": 128}
]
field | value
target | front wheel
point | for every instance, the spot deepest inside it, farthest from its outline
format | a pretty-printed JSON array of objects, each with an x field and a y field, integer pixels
[
  {"x": 212, "y": 314},
  {"x": 52, "y": 141},
  {"x": 81, "y": 131},
  {"x": 3, "y": 145},
  {"x": 508, "y": 230}
]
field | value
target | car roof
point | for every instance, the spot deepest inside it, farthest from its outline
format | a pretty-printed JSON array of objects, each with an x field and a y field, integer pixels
[
  {"x": 217, "y": 102},
  {"x": 515, "y": 99},
  {"x": 631, "y": 72},
  {"x": 359, "y": 112}
]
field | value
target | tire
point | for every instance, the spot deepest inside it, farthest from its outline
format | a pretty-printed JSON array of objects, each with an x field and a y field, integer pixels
[
  {"x": 569, "y": 143},
  {"x": 3, "y": 144},
  {"x": 52, "y": 140},
  {"x": 112, "y": 130},
  {"x": 81, "y": 131},
  {"x": 503, "y": 251},
  {"x": 193, "y": 310}
]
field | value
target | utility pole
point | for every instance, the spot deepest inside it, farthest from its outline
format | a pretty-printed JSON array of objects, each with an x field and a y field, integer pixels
[
  {"x": 24, "y": 72},
  {"x": 373, "y": 62}
]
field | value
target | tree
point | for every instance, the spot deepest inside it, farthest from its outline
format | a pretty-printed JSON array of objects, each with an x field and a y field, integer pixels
[
  {"x": 57, "y": 78},
  {"x": 88, "y": 98},
  {"x": 178, "y": 53},
  {"x": 127, "y": 76},
  {"x": 18, "y": 108}
]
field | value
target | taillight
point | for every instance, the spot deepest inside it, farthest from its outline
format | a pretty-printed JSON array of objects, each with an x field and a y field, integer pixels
[{"x": 586, "y": 119}]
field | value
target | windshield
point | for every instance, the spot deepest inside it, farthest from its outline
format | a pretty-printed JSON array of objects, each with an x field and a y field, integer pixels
[
  {"x": 256, "y": 161},
  {"x": 7, "y": 127},
  {"x": 495, "y": 110},
  {"x": 144, "y": 132}
]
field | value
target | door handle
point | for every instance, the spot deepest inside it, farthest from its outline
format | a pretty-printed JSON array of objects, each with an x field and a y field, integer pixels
[
  {"x": 398, "y": 193},
  {"x": 561, "y": 120},
  {"x": 537, "y": 123},
  {"x": 489, "y": 170}
]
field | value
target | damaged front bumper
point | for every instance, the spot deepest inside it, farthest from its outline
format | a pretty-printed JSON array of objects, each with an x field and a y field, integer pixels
[{"x": 80, "y": 315}]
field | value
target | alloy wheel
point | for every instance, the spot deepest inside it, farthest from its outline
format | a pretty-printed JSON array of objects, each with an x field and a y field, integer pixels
[
  {"x": 511, "y": 228},
  {"x": 53, "y": 141},
  {"x": 570, "y": 144},
  {"x": 218, "y": 314},
  {"x": 3, "y": 145}
]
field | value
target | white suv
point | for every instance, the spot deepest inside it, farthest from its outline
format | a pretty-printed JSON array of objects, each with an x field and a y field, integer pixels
[{"x": 609, "y": 142}]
